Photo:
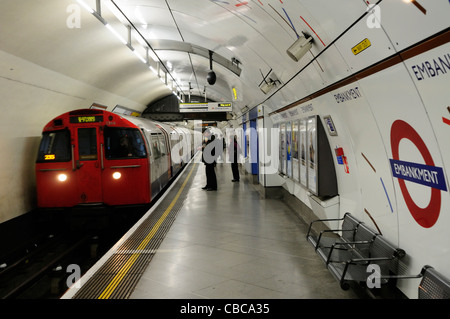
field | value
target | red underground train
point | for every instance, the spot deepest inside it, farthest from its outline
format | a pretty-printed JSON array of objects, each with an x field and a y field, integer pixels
[{"x": 93, "y": 157}]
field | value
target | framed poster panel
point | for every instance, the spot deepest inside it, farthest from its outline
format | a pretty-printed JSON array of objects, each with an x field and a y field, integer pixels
[
  {"x": 278, "y": 145},
  {"x": 247, "y": 143},
  {"x": 295, "y": 152},
  {"x": 303, "y": 153},
  {"x": 288, "y": 149},
  {"x": 283, "y": 148},
  {"x": 312, "y": 154}
]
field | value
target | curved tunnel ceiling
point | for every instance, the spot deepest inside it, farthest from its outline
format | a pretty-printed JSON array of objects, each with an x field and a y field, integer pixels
[{"x": 62, "y": 36}]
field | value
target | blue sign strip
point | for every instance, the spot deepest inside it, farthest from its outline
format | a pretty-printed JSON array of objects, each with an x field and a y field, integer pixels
[{"x": 430, "y": 176}]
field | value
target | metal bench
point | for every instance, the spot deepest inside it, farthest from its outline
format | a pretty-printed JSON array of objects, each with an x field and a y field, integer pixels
[
  {"x": 359, "y": 248},
  {"x": 323, "y": 241},
  {"x": 379, "y": 252},
  {"x": 348, "y": 255},
  {"x": 329, "y": 242},
  {"x": 433, "y": 285}
]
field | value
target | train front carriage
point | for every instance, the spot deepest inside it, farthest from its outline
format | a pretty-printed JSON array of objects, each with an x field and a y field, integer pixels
[{"x": 92, "y": 157}]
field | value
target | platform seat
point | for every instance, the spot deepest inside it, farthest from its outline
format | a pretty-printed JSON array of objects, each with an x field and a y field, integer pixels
[
  {"x": 347, "y": 255},
  {"x": 324, "y": 239},
  {"x": 433, "y": 285},
  {"x": 356, "y": 249},
  {"x": 379, "y": 252}
]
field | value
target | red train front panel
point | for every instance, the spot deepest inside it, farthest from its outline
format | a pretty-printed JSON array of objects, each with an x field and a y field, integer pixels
[{"x": 92, "y": 157}]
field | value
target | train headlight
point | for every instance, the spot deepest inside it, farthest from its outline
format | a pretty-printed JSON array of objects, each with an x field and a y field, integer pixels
[
  {"x": 117, "y": 175},
  {"x": 62, "y": 177}
]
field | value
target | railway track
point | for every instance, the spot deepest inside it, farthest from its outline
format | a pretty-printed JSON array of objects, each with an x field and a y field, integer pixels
[
  {"x": 41, "y": 272},
  {"x": 42, "y": 269}
]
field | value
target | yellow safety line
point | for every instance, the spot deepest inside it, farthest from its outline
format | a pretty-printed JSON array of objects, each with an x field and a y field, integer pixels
[{"x": 122, "y": 273}]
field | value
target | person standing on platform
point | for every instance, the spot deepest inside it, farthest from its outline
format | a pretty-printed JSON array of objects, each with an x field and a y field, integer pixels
[
  {"x": 209, "y": 159},
  {"x": 234, "y": 151}
]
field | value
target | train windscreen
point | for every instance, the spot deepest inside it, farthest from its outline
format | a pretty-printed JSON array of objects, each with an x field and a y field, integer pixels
[
  {"x": 87, "y": 144},
  {"x": 55, "y": 147},
  {"x": 124, "y": 143}
]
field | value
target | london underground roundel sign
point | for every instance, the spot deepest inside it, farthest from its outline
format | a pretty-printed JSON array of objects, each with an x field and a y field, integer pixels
[{"x": 427, "y": 175}]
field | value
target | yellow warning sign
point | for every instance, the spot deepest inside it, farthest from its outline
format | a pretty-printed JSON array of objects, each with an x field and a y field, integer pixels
[{"x": 361, "y": 46}]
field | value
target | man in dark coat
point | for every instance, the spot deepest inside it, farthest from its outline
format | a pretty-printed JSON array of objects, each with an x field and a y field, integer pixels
[
  {"x": 209, "y": 159},
  {"x": 233, "y": 153}
]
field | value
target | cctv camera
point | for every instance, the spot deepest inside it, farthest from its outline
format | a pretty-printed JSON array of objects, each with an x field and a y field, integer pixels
[{"x": 297, "y": 50}]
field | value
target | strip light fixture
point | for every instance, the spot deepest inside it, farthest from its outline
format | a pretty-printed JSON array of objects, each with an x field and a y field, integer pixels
[
  {"x": 118, "y": 36},
  {"x": 150, "y": 54},
  {"x": 84, "y": 5}
]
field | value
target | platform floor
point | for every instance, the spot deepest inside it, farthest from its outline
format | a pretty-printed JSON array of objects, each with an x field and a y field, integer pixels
[{"x": 233, "y": 244}]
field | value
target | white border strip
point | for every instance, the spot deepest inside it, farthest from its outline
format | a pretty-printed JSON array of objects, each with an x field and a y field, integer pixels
[{"x": 70, "y": 293}]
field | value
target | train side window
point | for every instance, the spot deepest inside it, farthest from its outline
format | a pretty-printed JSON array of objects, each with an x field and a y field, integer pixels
[
  {"x": 156, "y": 150},
  {"x": 182, "y": 142},
  {"x": 124, "y": 143},
  {"x": 87, "y": 144},
  {"x": 162, "y": 143},
  {"x": 55, "y": 147}
]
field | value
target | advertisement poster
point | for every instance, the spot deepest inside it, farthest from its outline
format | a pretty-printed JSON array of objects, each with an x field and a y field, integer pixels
[
  {"x": 289, "y": 148},
  {"x": 303, "y": 153},
  {"x": 312, "y": 154},
  {"x": 294, "y": 152},
  {"x": 283, "y": 148}
]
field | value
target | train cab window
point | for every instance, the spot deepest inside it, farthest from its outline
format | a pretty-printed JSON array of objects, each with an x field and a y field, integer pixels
[
  {"x": 55, "y": 147},
  {"x": 124, "y": 143},
  {"x": 87, "y": 144}
]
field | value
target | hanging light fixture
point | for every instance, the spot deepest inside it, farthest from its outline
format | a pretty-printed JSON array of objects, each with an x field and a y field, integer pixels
[{"x": 211, "y": 77}]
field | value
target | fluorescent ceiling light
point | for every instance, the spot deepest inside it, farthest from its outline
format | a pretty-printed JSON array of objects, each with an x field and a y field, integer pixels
[
  {"x": 153, "y": 55},
  {"x": 118, "y": 36},
  {"x": 139, "y": 56},
  {"x": 153, "y": 70},
  {"x": 84, "y": 5}
]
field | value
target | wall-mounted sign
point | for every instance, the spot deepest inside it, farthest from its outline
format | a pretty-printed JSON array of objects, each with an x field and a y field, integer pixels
[
  {"x": 206, "y": 107},
  {"x": 330, "y": 125},
  {"x": 348, "y": 95},
  {"x": 122, "y": 110},
  {"x": 427, "y": 174},
  {"x": 361, "y": 46}
]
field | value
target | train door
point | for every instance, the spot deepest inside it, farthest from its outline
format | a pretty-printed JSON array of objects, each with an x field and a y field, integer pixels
[
  {"x": 176, "y": 153},
  {"x": 87, "y": 165},
  {"x": 146, "y": 135},
  {"x": 165, "y": 160},
  {"x": 156, "y": 169}
]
